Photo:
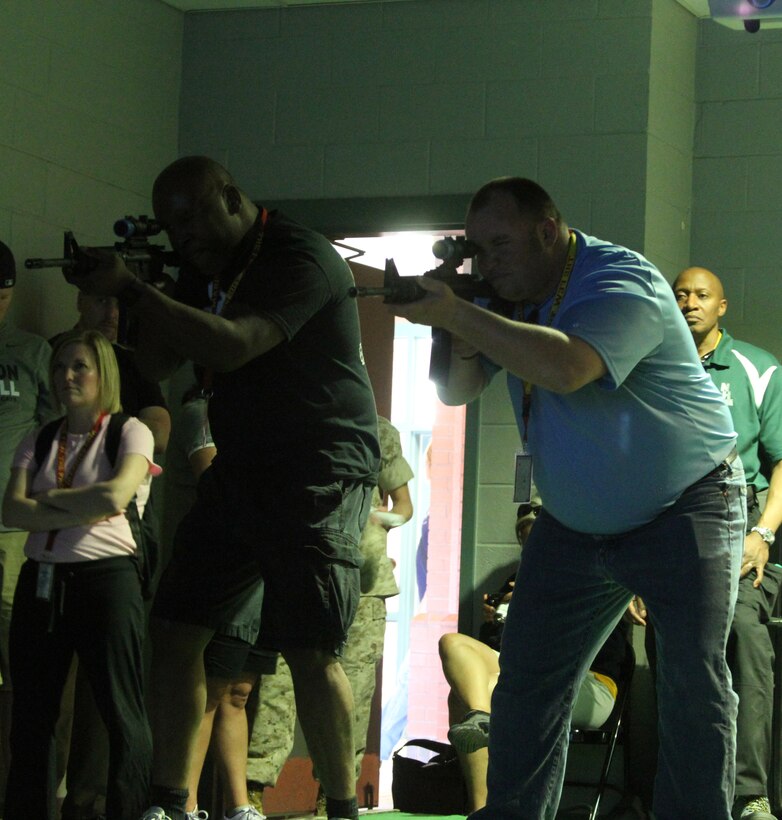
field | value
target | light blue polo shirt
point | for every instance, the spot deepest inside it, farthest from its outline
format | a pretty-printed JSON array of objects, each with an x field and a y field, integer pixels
[{"x": 614, "y": 454}]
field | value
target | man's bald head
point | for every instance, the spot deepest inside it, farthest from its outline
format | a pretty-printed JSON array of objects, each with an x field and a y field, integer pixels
[
  {"x": 204, "y": 212},
  {"x": 701, "y": 299},
  {"x": 703, "y": 275},
  {"x": 194, "y": 174}
]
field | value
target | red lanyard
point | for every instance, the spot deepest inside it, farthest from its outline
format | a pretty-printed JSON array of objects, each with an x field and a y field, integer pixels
[
  {"x": 207, "y": 378},
  {"x": 65, "y": 481},
  {"x": 526, "y": 404}
]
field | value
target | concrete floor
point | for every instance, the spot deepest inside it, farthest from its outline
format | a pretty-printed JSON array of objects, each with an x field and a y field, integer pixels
[
  {"x": 609, "y": 810},
  {"x": 571, "y": 808}
]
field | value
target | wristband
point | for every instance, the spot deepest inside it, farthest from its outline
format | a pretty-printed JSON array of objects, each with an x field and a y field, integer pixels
[{"x": 132, "y": 292}]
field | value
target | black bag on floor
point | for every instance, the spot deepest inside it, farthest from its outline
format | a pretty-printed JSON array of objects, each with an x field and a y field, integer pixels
[{"x": 427, "y": 778}]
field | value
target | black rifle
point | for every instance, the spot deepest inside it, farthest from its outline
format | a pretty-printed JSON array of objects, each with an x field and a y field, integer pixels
[
  {"x": 400, "y": 290},
  {"x": 142, "y": 257},
  {"x": 145, "y": 259}
]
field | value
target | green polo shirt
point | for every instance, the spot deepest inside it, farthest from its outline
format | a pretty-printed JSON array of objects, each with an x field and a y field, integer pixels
[{"x": 750, "y": 381}]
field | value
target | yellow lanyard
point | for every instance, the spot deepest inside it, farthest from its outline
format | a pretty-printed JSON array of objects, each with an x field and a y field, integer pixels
[
  {"x": 706, "y": 357},
  {"x": 563, "y": 280},
  {"x": 553, "y": 310}
]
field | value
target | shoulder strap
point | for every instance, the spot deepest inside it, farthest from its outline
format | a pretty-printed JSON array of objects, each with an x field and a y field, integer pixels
[
  {"x": 437, "y": 746},
  {"x": 47, "y": 433},
  {"x": 45, "y": 439},
  {"x": 146, "y": 554},
  {"x": 114, "y": 435}
]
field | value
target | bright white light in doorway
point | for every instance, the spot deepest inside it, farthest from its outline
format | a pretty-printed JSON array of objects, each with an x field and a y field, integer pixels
[{"x": 410, "y": 250}]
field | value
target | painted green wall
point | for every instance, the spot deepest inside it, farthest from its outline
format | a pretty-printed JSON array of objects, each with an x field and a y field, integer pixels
[
  {"x": 426, "y": 98},
  {"x": 737, "y": 190},
  {"x": 670, "y": 126},
  {"x": 648, "y": 127},
  {"x": 396, "y": 105},
  {"x": 89, "y": 92}
]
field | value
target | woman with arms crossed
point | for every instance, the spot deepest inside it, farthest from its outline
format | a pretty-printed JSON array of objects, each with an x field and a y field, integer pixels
[{"x": 79, "y": 590}]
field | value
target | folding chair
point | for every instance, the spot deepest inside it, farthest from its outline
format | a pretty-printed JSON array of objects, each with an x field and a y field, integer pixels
[{"x": 607, "y": 735}]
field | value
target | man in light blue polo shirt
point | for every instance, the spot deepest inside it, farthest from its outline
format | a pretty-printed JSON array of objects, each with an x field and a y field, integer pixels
[{"x": 634, "y": 456}]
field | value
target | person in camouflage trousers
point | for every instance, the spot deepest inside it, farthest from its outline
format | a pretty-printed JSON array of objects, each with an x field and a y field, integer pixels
[{"x": 272, "y": 734}]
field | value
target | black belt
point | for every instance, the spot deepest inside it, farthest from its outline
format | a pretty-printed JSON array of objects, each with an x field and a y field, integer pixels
[{"x": 729, "y": 459}]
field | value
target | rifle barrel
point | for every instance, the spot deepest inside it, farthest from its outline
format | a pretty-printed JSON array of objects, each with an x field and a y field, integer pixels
[
  {"x": 48, "y": 263},
  {"x": 360, "y": 291},
  {"x": 69, "y": 263}
]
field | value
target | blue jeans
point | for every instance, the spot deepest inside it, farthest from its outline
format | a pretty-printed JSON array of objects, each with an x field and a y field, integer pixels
[{"x": 571, "y": 590}]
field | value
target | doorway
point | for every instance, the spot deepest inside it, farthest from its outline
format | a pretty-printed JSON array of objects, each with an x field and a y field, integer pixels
[
  {"x": 426, "y": 551},
  {"x": 411, "y": 696}
]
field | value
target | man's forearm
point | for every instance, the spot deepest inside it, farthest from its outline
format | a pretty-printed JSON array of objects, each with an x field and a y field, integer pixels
[
  {"x": 401, "y": 503},
  {"x": 541, "y": 355},
  {"x": 466, "y": 380},
  {"x": 171, "y": 331},
  {"x": 771, "y": 515},
  {"x": 154, "y": 359},
  {"x": 159, "y": 422}
]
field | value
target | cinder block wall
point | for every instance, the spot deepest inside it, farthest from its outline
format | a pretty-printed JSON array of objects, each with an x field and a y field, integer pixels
[
  {"x": 594, "y": 98},
  {"x": 435, "y": 97},
  {"x": 423, "y": 97},
  {"x": 90, "y": 97},
  {"x": 670, "y": 126},
  {"x": 428, "y": 97},
  {"x": 737, "y": 194}
]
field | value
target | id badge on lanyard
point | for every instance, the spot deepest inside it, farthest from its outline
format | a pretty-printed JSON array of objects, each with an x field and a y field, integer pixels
[
  {"x": 522, "y": 482},
  {"x": 45, "y": 581}
]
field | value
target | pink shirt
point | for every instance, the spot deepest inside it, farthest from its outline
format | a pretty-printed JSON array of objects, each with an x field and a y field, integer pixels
[{"x": 109, "y": 538}]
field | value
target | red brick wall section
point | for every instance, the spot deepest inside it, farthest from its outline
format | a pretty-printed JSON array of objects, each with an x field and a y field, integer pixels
[{"x": 428, "y": 706}]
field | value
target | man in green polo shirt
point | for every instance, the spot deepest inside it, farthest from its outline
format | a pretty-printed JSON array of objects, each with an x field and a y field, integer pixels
[{"x": 751, "y": 383}]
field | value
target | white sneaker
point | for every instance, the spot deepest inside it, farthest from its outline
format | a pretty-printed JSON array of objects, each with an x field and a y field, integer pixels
[
  {"x": 197, "y": 814},
  {"x": 155, "y": 813},
  {"x": 246, "y": 813}
]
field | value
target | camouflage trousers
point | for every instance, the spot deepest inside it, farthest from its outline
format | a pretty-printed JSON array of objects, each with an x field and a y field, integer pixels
[
  {"x": 11, "y": 560},
  {"x": 273, "y": 730}
]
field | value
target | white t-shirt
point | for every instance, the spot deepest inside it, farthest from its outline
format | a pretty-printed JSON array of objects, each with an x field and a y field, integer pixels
[{"x": 108, "y": 538}]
